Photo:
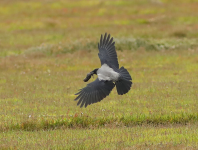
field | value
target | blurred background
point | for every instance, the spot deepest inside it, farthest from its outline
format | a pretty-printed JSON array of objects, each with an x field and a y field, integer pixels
[{"x": 61, "y": 26}]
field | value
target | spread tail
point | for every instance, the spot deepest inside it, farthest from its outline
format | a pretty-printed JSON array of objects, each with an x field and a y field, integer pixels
[{"x": 124, "y": 84}]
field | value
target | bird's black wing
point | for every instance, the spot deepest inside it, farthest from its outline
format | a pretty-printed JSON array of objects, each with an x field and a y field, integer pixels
[
  {"x": 94, "y": 92},
  {"x": 107, "y": 52}
]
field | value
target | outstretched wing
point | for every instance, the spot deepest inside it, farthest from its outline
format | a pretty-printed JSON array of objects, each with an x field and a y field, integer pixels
[
  {"x": 94, "y": 92},
  {"x": 107, "y": 52}
]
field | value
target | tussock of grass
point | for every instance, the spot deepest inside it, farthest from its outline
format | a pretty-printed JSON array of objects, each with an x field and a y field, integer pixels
[
  {"x": 131, "y": 44},
  {"x": 88, "y": 122},
  {"x": 156, "y": 45},
  {"x": 54, "y": 49}
]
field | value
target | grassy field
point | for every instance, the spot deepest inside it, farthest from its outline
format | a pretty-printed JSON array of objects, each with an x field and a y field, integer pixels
[
  {"x": 46, "y": 49},
  {"x": 138, "y": 137}
]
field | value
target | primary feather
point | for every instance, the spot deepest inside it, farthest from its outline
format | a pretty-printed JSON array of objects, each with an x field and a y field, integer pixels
[{"x": 107, "y": 52}]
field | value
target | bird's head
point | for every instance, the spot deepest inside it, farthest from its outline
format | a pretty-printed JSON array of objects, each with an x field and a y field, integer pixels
[{"x": 90, "y": 74}]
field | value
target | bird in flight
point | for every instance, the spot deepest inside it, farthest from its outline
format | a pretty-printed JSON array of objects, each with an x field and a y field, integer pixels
[{"x": 109, "y": 76}]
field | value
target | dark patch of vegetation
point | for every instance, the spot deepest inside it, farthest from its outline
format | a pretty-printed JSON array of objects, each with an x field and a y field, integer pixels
[
  {"x": 121, "y": 44},
  {"x": 179, "y": 34},
  {"x": 88, "y": 122}
]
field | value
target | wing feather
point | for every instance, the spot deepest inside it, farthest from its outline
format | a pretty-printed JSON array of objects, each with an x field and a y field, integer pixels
[
  {"x": 101, "y": 40},
  {"x": 94, "y": 92},
  {"x": 107, "y": 52},
  {"x": 106, "y": 43}
]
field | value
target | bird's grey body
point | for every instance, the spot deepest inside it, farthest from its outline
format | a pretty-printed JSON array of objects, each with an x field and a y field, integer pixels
[{"x": 109, "y": 76}]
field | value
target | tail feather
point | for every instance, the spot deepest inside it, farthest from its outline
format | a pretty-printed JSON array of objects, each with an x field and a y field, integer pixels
[
  {"x": 125, "y": 74},
  {"x": 124, "y": 84}
]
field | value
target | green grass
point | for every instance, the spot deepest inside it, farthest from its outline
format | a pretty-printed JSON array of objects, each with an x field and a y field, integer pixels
[
  {"x": 48, "y": 47},
  {"x": 87, "y": 122},
  {"x": 139, "y": 137},
  {"x": 38, "y": 93}
]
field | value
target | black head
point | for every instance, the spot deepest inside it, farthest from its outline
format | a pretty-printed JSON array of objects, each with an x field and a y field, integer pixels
[{"x": 90, "y": 74}]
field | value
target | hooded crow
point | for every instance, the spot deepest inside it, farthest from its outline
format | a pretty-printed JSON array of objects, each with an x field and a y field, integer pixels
[{"x": 109, "y": 75}]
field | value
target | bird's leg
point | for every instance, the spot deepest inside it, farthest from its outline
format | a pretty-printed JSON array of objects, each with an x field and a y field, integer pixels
[{"x": 90, "y": 74}]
